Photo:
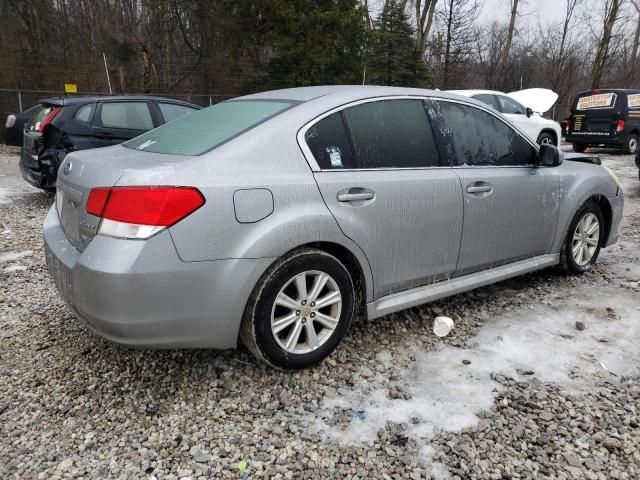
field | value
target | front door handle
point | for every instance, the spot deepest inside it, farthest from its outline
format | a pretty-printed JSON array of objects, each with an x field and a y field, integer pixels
[
  {"x": 355, "y": 195},
  {"x": 479, "y": 187}
]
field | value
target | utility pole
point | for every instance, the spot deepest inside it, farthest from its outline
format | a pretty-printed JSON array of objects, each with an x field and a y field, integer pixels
[{"x": 106, "y": 69}]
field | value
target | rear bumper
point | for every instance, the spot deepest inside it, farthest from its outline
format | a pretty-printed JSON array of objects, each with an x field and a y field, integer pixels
[
  {"x": 140, "y": 293},
  {"x": 609, "y": 139},
  {"x": 34, "y": 174},
  {"x": 617, "y": 205}
]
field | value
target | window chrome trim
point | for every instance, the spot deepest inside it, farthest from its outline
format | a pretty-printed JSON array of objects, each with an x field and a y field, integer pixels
[{"x": 306, "y": 151}]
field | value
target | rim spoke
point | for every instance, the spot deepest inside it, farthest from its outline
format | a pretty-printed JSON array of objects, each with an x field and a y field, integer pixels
[
  {"x": 312, "y": 339},
  {"x": 285, "y": 300},
  {"x": 329, "y": 299},
  {"x": 595, "y": 227},
  {"x": 294, "y": 336},
  {"x": 580, "y": 254},
  {"x": 576, "y": 247},
  {"x": 301, "y": 285},
  {"x": 592, "y": 241},
  {"x": 318, "y": 285},
  {"x": 283, "y": 322},
  {"x": 326, "y": 321}
]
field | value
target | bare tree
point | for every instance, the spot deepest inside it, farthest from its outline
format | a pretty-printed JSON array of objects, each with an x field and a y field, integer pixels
[
  {"x": 424, "y": 13},
  {"x": 611, "y": 11},
  {"x": 512, "y": 25}
]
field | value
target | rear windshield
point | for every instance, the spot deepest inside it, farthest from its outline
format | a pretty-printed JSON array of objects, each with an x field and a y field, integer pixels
[
  {"x": 593, "y": 101},
  {"x": 33, "y": 125},
  {"x": 206, "y": 129}
]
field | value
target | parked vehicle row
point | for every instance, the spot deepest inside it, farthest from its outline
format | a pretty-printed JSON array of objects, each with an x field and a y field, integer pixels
[
  {"x": 57, "y": 126},
  {"x": 274, "y": 218}
]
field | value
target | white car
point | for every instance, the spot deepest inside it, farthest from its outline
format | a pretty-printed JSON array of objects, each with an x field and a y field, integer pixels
[{"x": 524, "y": 108}]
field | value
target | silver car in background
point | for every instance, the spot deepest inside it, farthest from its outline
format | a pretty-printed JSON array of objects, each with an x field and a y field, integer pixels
[{"x": 275, "y": 218}]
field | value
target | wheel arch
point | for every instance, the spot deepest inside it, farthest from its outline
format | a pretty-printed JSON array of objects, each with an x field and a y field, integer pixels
[{"x": 607, "y": 213}]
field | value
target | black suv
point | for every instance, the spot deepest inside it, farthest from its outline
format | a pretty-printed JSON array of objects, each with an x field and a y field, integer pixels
[
  {"x": 62, "y": 125},
  {"x": 605, "y": 117}
]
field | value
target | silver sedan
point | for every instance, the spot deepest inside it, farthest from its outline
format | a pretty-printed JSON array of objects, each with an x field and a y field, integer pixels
[{"x": 275, "y": 218}]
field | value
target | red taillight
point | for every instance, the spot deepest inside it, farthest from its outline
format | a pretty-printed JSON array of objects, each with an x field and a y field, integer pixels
[
  {"x": 620, "y": 126},
  {"x": 49, "y": 118},
  {"x": 151, "y": 206},
  {"x": 596, "y": 91}
]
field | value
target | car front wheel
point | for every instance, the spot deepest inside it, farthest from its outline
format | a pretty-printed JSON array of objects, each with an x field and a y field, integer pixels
[
  {"x": 584, "y": 239},
  {"x": 299, "y": 311},
  {"x": 546, "y": 139}
]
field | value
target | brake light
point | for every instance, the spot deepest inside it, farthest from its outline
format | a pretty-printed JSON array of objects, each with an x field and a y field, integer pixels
[
  {"x": 140, "y": 212},
  {"x": 49, "y": 118},
  {"x": 596, "y": 91},
  {"x": 620, "y": 126}
]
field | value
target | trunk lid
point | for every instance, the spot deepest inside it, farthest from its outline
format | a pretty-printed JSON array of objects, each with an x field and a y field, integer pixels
[{"x": 84, "y": 170}]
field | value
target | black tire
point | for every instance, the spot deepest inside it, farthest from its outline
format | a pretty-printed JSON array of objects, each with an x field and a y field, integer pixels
[
  {"x": 546, "y": 137},
  {"x": 579, "y": 147},
  {"x": 256, "y": 332},
  {"x": 632, "y": 144},
  {"x": 567, "y": 261}
]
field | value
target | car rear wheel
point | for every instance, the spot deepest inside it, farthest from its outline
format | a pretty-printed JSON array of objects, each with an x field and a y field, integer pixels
[
  {"x": 579, "y": 147},
  {"x": 584, "y": 240},
  {"x": 299, "y": 311},
  {"x": 632, "y": 144},
  {"x": 546, "y": 138}
]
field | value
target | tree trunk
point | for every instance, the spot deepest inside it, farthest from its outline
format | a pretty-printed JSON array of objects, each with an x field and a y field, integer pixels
[
  {"x": 512, "y": 24},
  {"x": 611, "y": 15}
]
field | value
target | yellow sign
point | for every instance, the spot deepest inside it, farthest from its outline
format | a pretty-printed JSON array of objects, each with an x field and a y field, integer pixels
[
  {"x": 634, "y": 100},
  {"x": 604, "y": 100},
  {"x": 70, "y": 88}
]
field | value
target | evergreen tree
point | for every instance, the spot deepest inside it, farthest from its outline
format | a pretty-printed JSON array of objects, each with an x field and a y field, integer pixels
[
  {"x": 392, "y": 55},
  {"x": 314, "y": 42}
]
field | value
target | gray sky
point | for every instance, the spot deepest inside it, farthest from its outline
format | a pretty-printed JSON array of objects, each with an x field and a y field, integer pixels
[{"x": 532, "y": 11}]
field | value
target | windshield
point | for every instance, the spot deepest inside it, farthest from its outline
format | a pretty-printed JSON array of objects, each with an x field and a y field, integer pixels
[{"x": 206, "y": 129}]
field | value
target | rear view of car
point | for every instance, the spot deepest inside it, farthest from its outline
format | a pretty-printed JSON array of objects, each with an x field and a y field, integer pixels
[
  {"x": 609, "y": 118},
  {"x": 62, "y": 125}
]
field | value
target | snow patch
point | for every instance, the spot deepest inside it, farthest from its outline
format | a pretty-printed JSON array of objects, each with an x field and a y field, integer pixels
[
  {"x": 5, "y": 197},
  {"x": 541, "y": 341},
  {"x": 15, "y": 268},
  {"x": 12, "y": 256}
]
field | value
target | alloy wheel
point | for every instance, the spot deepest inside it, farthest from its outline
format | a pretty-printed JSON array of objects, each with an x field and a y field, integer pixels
[
  {"x": 585, "y": 239},
  {"x": 306, "y": 312}
]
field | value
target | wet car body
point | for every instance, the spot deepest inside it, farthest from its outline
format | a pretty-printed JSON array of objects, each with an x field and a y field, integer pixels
[
  {"x": 393, "y": 214},
  {"x": 66, "y": 124}
]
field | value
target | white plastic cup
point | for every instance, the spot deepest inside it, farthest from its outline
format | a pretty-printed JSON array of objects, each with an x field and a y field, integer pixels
[{"x": 442, "y": 326}]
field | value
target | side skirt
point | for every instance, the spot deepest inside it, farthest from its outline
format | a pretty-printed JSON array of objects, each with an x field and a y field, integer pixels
[{"x": 428, "y": 293}]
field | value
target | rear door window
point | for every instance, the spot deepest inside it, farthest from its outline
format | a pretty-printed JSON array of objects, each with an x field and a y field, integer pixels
[
  {"x": 508, "y": 105},
  {"x": 391, "y": 134},
  {"x": 489, "y": 99},
  {"x": 126, "y": 115},
  {"x": 172, "y": 111},
  {"x": 595, "y": 101},
  {"x": 329, "y": 143},
  {"x": 480, "y": 139}
]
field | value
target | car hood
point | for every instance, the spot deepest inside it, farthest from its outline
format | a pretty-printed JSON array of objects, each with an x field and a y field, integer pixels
[{"x": 537, "y": 99}]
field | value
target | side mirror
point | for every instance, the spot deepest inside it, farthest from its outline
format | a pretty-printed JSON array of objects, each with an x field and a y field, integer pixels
[
  {"x": 529, "y": 112},
  {"x": 550, "y": 155}
]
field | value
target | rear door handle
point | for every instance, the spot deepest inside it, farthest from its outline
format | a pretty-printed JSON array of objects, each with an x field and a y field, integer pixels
[
  {"x": 355, "y": 195},
  {"x": 479, "y": 187}
]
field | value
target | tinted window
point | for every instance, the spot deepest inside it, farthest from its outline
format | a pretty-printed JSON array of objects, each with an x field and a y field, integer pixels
[
  {"x": 488, "y": 99},
  {"x": 201, "y": 131},
  {"x": 84, "y": 113},
  {"x": 391, "y": 134},
  {"x": 508, "y": 105},
  {"x": 479, "y": 138},
  {"x": 131, "y": 115},
  {"x": 33, "y": 125},
  {"x": 329, "y": 143},
  {"x": 171, "y": 111}
]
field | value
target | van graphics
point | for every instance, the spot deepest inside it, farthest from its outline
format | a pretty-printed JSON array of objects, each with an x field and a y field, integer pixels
[
  {"x": 602, "y": 100},
  {"x": 634, "y": 100}
]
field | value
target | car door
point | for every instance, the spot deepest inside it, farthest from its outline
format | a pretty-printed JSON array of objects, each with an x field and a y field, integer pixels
[
  {"x": 380, "y": 175},
  {"x": 117, "y": 122},
  {"x": 510, "y": 203}
]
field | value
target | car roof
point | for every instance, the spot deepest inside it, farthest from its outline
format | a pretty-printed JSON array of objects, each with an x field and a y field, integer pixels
[
  {"x": 468, "y": 93},
  {"x": 80, "y": 99},
  {"x": 340, "y": 93},
  {"x": 609, "y": 90}
]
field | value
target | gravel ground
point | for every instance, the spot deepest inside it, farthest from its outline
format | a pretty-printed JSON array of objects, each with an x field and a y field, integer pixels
[{"x": 393, "y": 402}]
